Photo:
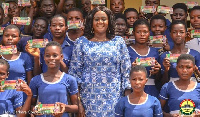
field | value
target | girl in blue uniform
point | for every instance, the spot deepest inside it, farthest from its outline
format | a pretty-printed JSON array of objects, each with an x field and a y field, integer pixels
[
  {"x": 140, "y": 49},
  {"x": 176, "y": 91},
  {"x": 54, "y": 86},
  {"x": 138, "y": 103},
  {"x": 11, "y": 101},
  {"x": 178, "y": 34},
  {"x": 20, "y": 63}
]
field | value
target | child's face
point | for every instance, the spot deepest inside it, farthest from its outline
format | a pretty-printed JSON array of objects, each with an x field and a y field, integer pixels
[
  {"x": 138, "y": 81},
  {"x": 68, "y": 5},
  {"x": 86, "y": 5},
  {"x": 185, "y": 69},
  {"x": 1, "y": 16},
  {"x": 152, "y": 3},
  {"x": 40, "y": 28},
  {"x": 158, "y": 27},
  {"x": 10, "y": 37},
  {"x": 13, "y": 10},
  {"x": 52, "y": 56},
  {"x": 131, "y": 18},
  {"x": 178, "y": 33},
  {"x": 195, "y": 19},
  {"x": 48, "y": 8},
  {"x": 74, "y": 16},
  {"x": 3, "y": 72},
  {"x": 141, "y": 34},
  {"x": 179, "y": 14},
  {"x": 58, "y": 27},
  {"x": 121, "y": 27},
  {"x": 117, "y": 6}
]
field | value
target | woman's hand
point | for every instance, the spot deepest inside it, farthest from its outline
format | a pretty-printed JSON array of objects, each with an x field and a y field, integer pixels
[
  {"x": 62, "y": 110},
  {"x": 33, "y": 51},
  {"x": 24, "y": 87},
  {"x": 166, "y": 64},
  {"x": 155, "y": 69},
  {"x": 81, "y": 111}
]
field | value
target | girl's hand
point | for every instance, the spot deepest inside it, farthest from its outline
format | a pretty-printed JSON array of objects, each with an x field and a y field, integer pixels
[
  {"x": 166, "y": 46},
  {"x": 33, "y": 51},
  {"x": 62, "y": 107},
  {"x": 166, "y": 64},
  {"x": 134, "y": 63},
  {"x": 81, "y": 111},
  {"x": 25, "y": 88},
  {"x": 155, "y": 69}
]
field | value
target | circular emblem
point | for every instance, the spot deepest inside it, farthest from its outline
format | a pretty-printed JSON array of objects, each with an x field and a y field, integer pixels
[{"x": 187, "y": 107}]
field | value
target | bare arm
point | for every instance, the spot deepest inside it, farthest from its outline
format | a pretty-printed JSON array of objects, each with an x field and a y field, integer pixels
[
  {"x": 60, "y": 7},
  {"x": 29, "y": 75}
]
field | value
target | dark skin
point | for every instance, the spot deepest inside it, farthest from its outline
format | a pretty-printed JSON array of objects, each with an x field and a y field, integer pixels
[
  {"x": 121, "y": 27},
  {"x": 12, "y": 37},
  {"x": 23, "y": 87},
  {"x": 86, "y": 6},
  {"x": 1, "y": 16},
  {"x": 53, "y": 58},
  {"x": 39, "y": 29},
  {"x": 195, "y": 19},
  {"x": 185, "y": 69},
  {"x": 179, "y": 14},
  {"x": 117, "y": 6}
]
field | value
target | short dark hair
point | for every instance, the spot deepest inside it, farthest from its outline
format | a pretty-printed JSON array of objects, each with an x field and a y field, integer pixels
[
  {"x": 54, "y": 43},
  {"x": 138, "y": 68},
  {"x": 120, "y": 15},
  {"x": 4, "y": 62},
  {"x": 44, "y": 0},
  {"x": 141, "y": 22},
  {"x": 59, "y": 15},
  {"x": 129, "y": 10},
  {"x": 44, "y": 19},
  {"x": 161, "y": 17},
  {"x": 11, "y": 26},
  {"x": 186, "y": 57},
  {"x": 181, "y": 6},
  {"x": 75, "y": 9},
  {"x": 195, "y": 8},
  {"x": 89, "y": 22},
  {"x": 178, "y": 22}
]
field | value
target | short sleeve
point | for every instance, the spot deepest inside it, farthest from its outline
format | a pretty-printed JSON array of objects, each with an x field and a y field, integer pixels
[
  {"x": 33, "y": 87},
  {"x": 18, "y": 99},
  {"x": 197, "y": 59},
  {"x": 119, "y": 108},
  {"x": 73, "y": 88},
  {"x": 157, "y": 109},
  {"x": 28, "y": 63},
  {"x": 164, "y": 92}
]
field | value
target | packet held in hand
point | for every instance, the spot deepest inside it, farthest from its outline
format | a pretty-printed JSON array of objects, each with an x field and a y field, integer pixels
[
  {"x": 5, "y": 7},
  {"x": 24, "y": 3},
  {"x": 172, "y": 57},
  {"x": 12, "y": 49},
  {"x": 158, "y": 40},
  {"x": 74, "y": 24},
  {"x": 10, "y": 84},
  {"x": 21, "y": 20},
  {"x": 165, "y": 10},
  {"x": 191, "y": 4},
  {"x": 97, "y": 1},
  {"x": 147, "y": 9},
  {"x": 195, "y": 33},
  {"x": 46, "y": 108},
  {"x": 1, "y": 30},
  {"x": 149, "y": 61},
  {"x": 38, "y": 43}
]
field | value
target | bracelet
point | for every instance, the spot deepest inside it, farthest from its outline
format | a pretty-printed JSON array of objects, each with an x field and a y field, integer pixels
[{"x": 79, "y": 98}]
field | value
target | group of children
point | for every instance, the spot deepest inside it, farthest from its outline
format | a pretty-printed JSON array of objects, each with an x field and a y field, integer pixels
[{"x": 43, "y": 71}]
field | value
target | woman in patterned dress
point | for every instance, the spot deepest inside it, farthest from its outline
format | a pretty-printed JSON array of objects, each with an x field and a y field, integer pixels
[{"x": 101, "y": 64}]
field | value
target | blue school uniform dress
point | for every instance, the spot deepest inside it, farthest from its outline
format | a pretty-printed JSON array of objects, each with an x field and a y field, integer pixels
[
  {"x": 150, "y": 108},
  {"x": 102, "y": 71},
  {"x": 19, "y": 67},
  {"x": 67, "y": 53},
  {"x": 193, "y": 44},
  {"x": 52, "y": 92},
  {"x": 150, "y": 87},
  {"x": 173, "y": 75},
  {"x": 71, "y": 42},
  {"x": 171, "y": 93},
  {"x": 9, "y": 101}
]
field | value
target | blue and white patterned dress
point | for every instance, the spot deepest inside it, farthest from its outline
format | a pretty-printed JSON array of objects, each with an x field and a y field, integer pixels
[{"x": 102, "y": 70}]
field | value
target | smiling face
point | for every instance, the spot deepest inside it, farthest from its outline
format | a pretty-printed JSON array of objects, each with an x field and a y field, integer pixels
[
  {"x": 39, "y": 29},
  {"x": 141, "y": 34},
  {"x": 179, "y": 14},
  {"x": 100, "y": 22},
  {"x": 158, "y": 27},
  {"x": 3, "y": 72},
  {"x": 58, "y": 27},
  {"x": 185, "y": 69},
  {"x": 178, "y": 33},
  {"x": 117, "y": 6},
  {"x": 53, "y": 56},
  {"x": 195, "y": 19},
  {"x": 131, "y": 18},
  {"x": 138, "y": 80},
  {"x": 10, "y": 37}
]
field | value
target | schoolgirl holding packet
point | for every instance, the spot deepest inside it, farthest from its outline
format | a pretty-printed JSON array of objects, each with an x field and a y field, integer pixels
[{"x": 53, "y": 86}]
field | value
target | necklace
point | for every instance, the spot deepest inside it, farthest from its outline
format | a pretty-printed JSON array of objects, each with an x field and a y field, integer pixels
[{"x": 100, "y": 40}]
